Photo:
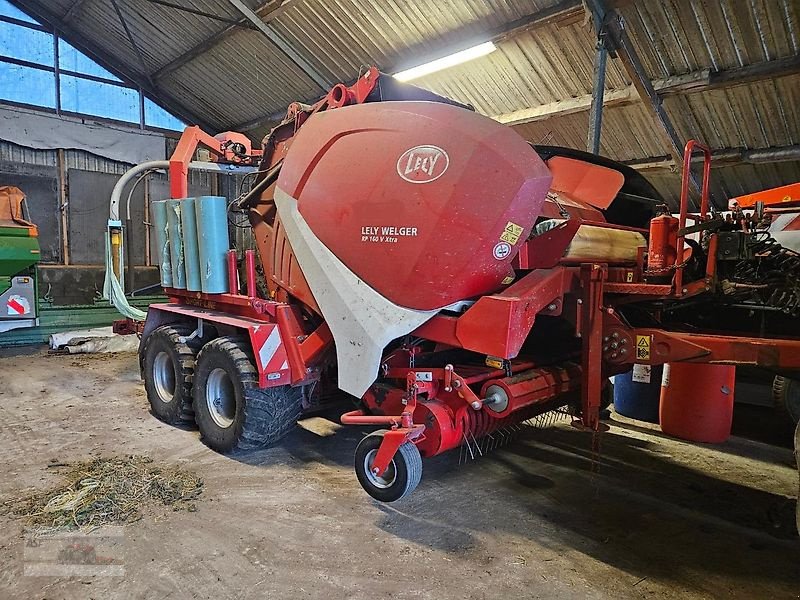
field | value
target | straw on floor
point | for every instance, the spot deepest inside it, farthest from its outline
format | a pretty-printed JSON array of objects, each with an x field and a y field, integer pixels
[{"x": 109, "y": 491}]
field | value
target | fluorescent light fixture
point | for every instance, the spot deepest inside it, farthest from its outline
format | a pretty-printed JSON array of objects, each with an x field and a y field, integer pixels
[{"x": 446, "y": 62}]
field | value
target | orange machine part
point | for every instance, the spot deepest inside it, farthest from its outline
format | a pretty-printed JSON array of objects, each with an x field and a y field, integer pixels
[
  {"x": 778, "y": 195},
  {"x": 11, "y": 209},
  {"x": 697, "y": 401},
  {"x": 662, "y": 250},
  {"x": 583, "y": 181}
]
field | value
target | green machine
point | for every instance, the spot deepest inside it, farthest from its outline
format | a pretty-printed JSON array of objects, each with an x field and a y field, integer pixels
[{"x": 19, "y": 253}]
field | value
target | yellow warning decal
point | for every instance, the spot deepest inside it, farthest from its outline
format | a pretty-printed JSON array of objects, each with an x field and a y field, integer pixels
[
  {"x": 643, "y": 347},
  {"x": 629, "y": 277},
  {"x": 493, "y": 361},
  {"x": 511, "y": 233}
]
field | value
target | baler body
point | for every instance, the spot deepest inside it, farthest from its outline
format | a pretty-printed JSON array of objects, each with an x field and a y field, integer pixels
[{"x": 450, "y": 277}]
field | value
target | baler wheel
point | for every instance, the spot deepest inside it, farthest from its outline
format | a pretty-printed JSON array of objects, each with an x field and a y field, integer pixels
[
  {"x": 168, "y": 366},
  {"x": 399, "y": 480},
  {"x": 232, "y": 412}
]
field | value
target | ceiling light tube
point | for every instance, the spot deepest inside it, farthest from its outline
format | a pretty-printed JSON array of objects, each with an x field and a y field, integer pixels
[{"x": 446, "y": 62}]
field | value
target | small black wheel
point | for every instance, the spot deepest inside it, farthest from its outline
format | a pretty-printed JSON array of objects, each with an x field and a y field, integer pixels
[
  {"x": 232, "y": 412},
  {"x": 786, "y": 395},
  {"x": 167, "y": 368},
  {"x": 401, "y": 477}
]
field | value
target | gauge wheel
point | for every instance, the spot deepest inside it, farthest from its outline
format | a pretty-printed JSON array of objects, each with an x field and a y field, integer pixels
[{"x": 400, "y": 478}]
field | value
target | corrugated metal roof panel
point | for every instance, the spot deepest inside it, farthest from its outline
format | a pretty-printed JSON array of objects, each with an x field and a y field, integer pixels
[
  {"x": 266, "y": 80},
  {"x": 679, "y": 36},
  {"x": 161, "y": 33},
  {"x": 340, "y": 36},
  {"x": 536, "y": 67},
  {"x": 729, "y": 181},
  {"x": 627, "y": 133},
  {"x": 756, "y": 115}
]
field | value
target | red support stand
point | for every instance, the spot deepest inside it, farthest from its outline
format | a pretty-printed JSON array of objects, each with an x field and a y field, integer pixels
[{"x": 591, "y": 320}]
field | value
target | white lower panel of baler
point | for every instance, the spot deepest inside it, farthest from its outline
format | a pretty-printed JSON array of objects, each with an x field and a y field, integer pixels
[{"x": 361, "y": 320}]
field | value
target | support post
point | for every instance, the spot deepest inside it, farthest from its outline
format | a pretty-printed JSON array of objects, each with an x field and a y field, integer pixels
[
  {"x": 63, "y": 205},
  {"x": 598, "y": 91},
  {"x": 233, "y": 273},
  {"x": 250, "y": 270},
  {"x": 591, "y": 330}
]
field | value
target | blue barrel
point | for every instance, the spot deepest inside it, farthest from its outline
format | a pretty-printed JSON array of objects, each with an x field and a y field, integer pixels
[{"x": 638, "y": 399}]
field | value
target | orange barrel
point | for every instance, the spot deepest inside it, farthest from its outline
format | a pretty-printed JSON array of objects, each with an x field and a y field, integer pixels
[{"x": 697, "y": 401}]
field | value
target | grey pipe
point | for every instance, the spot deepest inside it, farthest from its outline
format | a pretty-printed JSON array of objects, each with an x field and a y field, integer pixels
[{"x": 116, "y": 194}]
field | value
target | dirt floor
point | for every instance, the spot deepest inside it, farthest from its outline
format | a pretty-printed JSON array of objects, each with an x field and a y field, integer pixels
[{"x": 541, "y": 518}]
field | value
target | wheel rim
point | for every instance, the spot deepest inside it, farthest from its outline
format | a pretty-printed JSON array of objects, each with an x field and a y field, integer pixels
[
  {"x": 382, "y": 482},
  {"x": 164, "y": 377},
  {"x": 221, "y": 398}
]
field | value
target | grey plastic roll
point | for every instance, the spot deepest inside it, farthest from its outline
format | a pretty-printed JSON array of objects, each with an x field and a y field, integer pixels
[
  {"x": 176, "y": 244},
  {"x": 191, "y": 253},
  {"x": 159, "y": 211},
  {"x": 213, "y": 243}
]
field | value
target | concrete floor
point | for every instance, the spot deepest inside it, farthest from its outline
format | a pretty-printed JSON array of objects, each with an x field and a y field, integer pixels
[{"x": 659, "y": 518}]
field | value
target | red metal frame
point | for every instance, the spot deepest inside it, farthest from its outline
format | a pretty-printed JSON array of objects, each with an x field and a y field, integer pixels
[
  {"x": 688, "y": 151},
  {"x": 192, "y": 138}
]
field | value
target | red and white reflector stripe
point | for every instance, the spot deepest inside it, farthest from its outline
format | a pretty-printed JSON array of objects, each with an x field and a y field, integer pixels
[{"x": 272, "y": 354}]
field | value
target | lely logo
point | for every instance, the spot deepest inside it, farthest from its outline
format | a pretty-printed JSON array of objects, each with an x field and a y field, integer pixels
[{"x": 422, "y": 164}]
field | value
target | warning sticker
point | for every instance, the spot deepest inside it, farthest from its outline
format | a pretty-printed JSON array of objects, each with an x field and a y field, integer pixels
[
  {"x": 643, "y": 347},
  {"x": 511, "y": 233},
  {"x": 629, "y": 276},
  {"x": 501, "y": 250},
  {"x": 18, "y": 305},
  {"x": 641, "y": 373}
]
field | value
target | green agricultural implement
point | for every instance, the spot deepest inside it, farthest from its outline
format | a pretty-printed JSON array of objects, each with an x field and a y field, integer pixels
[{"x": 19, "y": 253}]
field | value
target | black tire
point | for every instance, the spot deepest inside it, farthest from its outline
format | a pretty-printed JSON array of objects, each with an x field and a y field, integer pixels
[
  {"x": 402, "y": 476},
  {"x": 244, "y": 417},
  {"x": 797, "y": 459},
  {"x": 786, "y": 396},
  {"x": 168, "y": 368}
]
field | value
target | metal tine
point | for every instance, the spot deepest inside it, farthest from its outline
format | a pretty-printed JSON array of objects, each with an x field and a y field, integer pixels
[
  {"x": 503, "y": 435},
  {"x": 466, "y": 441},
  {"x": 477, "y": 446}
]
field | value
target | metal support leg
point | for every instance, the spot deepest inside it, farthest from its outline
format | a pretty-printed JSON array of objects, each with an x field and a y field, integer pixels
[
  {"x": 598, "y": 90},
  {"x": 592, "y": 277}
]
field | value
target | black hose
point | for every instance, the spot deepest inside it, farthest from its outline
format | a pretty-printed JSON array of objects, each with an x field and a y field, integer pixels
[{"x": 252, "y": 197}]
